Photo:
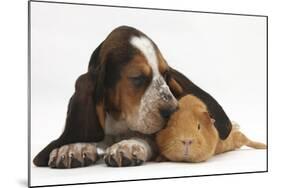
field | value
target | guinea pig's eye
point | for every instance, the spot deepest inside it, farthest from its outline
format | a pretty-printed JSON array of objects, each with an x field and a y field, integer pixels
[
  {"x": 198, "y": 126},
  {"x": 138, "y": 81}
]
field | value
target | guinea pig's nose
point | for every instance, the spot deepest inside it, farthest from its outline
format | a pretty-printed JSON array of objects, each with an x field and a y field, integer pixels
[
  {"x": 187, "y": 142},
  {"x": 167, "y": 112}
]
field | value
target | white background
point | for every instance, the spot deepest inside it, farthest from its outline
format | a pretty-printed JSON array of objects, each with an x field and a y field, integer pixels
[
  {"x": 224, "y": 54},
  {"x": 14, "y": 82}
]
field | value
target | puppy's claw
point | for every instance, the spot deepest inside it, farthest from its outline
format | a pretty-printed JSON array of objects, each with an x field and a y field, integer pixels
[
  {"x": 61, "y": 164},
  {"x": 87, "y": 161},
  {"x": 73, "y": 156},
  {"x": 125, "y": 153},
  {"x": 74, "y": 163},
  {"x": 52, "y": 163}
]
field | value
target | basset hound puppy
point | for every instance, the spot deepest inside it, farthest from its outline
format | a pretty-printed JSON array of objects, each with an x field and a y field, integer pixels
[{"x": 125, "y": 97}]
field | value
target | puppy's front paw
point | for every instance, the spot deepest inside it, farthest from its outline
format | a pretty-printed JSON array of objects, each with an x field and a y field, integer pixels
[
  {"x": 126, "y": 153},
  {"x": 73, "y": 156}
]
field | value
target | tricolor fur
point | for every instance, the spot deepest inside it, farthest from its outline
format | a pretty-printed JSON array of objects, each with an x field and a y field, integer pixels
[{"x": 125, "y": 97}]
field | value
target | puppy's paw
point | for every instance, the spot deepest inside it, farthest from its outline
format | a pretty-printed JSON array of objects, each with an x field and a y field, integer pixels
[
  {"x": 126, "y": 153},
  {"x": 73, "y": 155}
]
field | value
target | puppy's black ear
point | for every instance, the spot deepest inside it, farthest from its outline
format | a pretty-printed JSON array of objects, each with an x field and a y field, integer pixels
[
  {"x": 182, "y": 86},
  {"x": 85, "y": 115}
]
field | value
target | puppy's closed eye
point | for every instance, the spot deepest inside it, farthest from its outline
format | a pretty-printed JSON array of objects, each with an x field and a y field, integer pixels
[{"x": 139, "y": 81}]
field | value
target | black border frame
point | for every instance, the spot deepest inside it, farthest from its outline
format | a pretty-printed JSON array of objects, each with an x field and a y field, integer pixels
[{"x": 132, "y": 7}]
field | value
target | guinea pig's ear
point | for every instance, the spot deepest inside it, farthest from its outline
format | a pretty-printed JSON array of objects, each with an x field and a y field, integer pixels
[{"x": 206, "y": 118}]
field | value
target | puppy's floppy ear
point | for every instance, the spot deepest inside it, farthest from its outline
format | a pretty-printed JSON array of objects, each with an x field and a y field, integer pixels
[
  {"x": 174, "y": 86},
  {"x": 186, "y": 86},
  {"x": 86, "y": 107},
  {"x": 85, "y": 114}
]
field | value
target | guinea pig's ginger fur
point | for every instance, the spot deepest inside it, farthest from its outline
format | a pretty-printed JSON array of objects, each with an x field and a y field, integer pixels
[{"x": 191, "y": 136}]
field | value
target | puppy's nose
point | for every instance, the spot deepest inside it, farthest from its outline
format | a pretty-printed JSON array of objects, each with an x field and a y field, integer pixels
[{"x": 167, "y": 112}]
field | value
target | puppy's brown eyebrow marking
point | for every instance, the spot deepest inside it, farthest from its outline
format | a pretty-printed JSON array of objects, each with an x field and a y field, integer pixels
[
  {"x": 138, "y": 67},
  {"x": 146, "y": 47}
]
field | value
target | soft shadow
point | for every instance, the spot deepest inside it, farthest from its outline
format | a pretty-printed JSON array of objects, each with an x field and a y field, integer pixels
[{"x": 23, "y": 182}]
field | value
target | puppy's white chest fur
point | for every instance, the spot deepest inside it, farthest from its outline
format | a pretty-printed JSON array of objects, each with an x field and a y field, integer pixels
[{"x": 114, "y": 127}]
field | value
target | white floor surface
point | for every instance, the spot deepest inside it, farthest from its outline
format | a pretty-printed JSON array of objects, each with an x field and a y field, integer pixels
[{"x": 243, "y": 160}]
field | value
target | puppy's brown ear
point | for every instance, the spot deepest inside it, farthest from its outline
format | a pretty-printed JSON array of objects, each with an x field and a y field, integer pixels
[
  {"x": 222, "y": 124},
  {"x": 85, "y": 114},
  {"x": 175, "y": 88},
  {"x": 174, "y": 85}
]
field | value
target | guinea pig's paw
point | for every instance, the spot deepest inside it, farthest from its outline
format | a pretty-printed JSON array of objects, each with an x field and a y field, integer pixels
[
  {"x": 126, "y": 153},
  {"x": 73, "y": 155}
]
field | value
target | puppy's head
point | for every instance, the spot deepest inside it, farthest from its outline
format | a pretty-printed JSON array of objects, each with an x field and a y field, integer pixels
[{"x": 135, "y": 81}]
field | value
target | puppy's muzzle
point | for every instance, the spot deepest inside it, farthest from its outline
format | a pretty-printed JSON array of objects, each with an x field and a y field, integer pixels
[{"x": 167, "y": 112}]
